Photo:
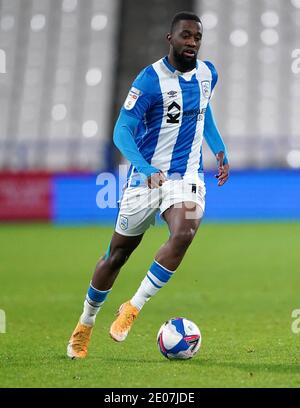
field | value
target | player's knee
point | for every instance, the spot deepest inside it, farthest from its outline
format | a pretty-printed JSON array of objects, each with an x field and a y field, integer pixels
[
  {"x": 118, "y": 257},
  {"x": 182, "y": 239}
]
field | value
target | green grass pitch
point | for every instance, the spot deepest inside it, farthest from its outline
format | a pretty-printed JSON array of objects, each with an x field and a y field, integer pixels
[{"x": 239, "y": 283}]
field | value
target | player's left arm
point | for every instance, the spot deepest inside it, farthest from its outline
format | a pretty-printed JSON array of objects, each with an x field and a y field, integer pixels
[
  {"x": 213, "y": 136},
  {"x": 217, "y": 146}
]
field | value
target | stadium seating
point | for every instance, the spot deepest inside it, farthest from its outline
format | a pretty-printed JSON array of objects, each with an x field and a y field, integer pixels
[
  {"x": 70, "y": 64},
  {"x": 257, "y": 100},
  {"x": 57, "y": 92}
]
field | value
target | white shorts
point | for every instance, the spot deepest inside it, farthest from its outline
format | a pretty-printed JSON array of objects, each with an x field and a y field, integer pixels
[{"x": 139, "y": 205}]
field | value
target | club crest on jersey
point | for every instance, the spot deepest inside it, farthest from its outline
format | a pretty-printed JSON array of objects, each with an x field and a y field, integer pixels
[
  {"x": 132, "y": 97},
  {"x": 205, "y": 85},
  {"x": 123, "y": 222}
]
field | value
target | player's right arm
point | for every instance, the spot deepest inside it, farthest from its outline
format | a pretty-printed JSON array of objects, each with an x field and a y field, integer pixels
[
  {"x": 138, "y": 101},
  {"x": 124, "y": 140}
]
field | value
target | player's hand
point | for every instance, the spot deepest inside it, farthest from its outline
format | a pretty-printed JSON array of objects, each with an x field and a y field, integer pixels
[
  {"x": 223, "y": 169},
  {"x": 156, "y": 180}
]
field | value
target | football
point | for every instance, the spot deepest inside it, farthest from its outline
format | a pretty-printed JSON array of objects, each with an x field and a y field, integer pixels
[{"x": 179, "y": 338}]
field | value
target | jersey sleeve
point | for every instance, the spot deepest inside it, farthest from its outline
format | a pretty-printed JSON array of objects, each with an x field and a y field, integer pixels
[
  {"x": 214, "y": 74},
  {"x": 141, "y": 95},
  {"x": 124, "y": 140},
  {"x": 212, "y": 135}
]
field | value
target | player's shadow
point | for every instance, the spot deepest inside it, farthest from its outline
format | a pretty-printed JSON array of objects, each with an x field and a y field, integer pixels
[
  {"x": 134, "y": 360},
  {"x": 112, "y": 360},
  {"x": 251, "y": 367}
]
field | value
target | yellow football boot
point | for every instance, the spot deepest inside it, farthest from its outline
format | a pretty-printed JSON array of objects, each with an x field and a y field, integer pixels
[
  {"x": 123, "y": 323},
  {"x": 79, "y": 341}
]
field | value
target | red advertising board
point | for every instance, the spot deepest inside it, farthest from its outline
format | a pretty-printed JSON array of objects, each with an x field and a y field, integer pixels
[{"x": 25, "y": 196}]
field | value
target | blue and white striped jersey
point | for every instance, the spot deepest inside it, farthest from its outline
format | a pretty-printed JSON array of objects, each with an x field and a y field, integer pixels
[{"x": 171, "y": 107}]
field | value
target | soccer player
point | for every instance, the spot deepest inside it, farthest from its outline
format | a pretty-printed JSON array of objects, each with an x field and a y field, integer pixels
[{"x": 160, "y": 131}]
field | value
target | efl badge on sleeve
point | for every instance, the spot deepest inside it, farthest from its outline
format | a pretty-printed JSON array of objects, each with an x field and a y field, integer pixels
[
  {"x": 205, "y": 85},
  {"x": 132, "y": 97}
]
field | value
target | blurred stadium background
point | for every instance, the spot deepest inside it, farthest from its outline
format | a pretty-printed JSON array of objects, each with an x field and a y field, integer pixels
[{"x": 67, "y": 65}]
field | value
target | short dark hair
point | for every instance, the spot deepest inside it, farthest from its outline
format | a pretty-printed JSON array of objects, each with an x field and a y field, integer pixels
[{"x": 184, "y": 15}]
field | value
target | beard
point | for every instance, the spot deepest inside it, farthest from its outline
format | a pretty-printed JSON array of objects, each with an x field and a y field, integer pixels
[{"x": 185, "y": 64}]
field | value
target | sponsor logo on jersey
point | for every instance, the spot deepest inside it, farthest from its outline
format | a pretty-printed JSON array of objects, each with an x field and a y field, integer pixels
[
  {"x": 196, "y": 114},
  {"x": 173, "y": 113},
  {"x": 132, "y": 97},
  {"x": 205, "y": 85}
]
